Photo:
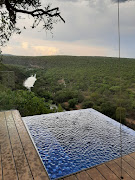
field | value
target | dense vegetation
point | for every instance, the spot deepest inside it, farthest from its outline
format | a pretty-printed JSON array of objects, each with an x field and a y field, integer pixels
[{"x": 77, "y": 82}]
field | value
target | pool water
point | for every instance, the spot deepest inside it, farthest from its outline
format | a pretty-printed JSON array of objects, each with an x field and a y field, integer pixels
[{"x": 75, "y": 140}]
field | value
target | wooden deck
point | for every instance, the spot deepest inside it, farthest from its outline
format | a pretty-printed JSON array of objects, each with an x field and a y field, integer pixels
[
  {"x": 19, "y": 159},
  {"x": 108, "y": 171}
]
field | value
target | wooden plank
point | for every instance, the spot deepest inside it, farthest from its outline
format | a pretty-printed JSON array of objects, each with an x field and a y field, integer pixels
[
  {"x": 95, "y": 174},
  {"x": 0, "y": 151},
  {"x": 72, "y": 177},
  {"x": 22, "y": 166},
  {"x": 9, "y": 170},
  {"x": 35, "y": 163},
  {"x": 129, "y": 169},
  {"x": 132, "y": 155},
  {"x": 129, "y": 160},
  {"x": 117, "y": 170},
  {"x": 83, "y": 175},
  {"x": 1, "y": 177},
  {"x": 25, "y": 156},
  {"x": 106, "y": 172}
]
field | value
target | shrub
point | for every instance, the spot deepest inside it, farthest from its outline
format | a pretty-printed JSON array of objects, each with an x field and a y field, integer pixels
[
  {"x": 44, "y": 94},
  {"x": 60, "y": 109},
  {"x": 72, "y": 102},
  {"x": 66, "y": 95},
  {"x": 87, "y": 104},
  {"x": 108, "y": 109},
  {"x": 26, "y": 102}
]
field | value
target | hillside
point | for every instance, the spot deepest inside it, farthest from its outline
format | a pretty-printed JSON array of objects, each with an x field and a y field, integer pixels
[
  {"x": 54, "y": 61},
  {"x": 3, "y": 67},
  {"x": 75, "y": 82},
  {"x": 19, "y": 73}
]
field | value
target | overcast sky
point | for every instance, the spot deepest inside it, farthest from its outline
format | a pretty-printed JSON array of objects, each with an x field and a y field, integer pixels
[{"x": 90, "y": 30}]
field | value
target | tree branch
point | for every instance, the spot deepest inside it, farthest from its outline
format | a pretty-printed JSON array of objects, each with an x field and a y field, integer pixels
[
  {"x": 8, "y": 17},
  {"x": 34, "y": 13}
]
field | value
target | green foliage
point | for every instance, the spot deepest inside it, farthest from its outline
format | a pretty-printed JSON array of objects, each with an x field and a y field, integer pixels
[
  {"x": 67, "y": 94},
  {"x": 108, "y": 109},
  {"x": 43, "y": 93},
  {"x": 60, "y": 109},
  {"x": 87, "y": 104},
  {"x": 26, "y": 102},
  {"x": 19, "y": 74},
  {"x": 92, "y": 81},
  {"x": 72, "y": 102},
  {"x": 3, "y": 67},
  {"x": 0, "y": 57},
  {"x": 115, "y": 89}
]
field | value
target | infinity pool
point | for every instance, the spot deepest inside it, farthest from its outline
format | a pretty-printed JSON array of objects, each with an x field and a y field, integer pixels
[{"x": 75, "y": 140}]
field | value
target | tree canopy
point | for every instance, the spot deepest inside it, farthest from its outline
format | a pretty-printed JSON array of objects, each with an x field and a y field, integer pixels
[{"x": 11, "y": 11}]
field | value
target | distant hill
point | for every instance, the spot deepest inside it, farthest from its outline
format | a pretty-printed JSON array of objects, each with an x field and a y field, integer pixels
[
  {"x": 53, "y": 61},
  {"x": 7, "y": 55}
]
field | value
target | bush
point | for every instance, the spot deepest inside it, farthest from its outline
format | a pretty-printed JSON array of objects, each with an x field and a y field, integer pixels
[
  {"x": 87, "y": 104},
  {"x": 66, "y": 95},
  {"x": 72, "y": 102},
  {"x": 108, "y": 109},
  {"x": 65, "y": 106},
  {"x": 115, "y": 89},
  {"x": 60, "y": 109},
  {"x": 44, "y": 94},
  {"x": 26, "y": 102}
]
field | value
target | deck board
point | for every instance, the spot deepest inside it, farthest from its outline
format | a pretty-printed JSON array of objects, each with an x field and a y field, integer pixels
[
  {"x": 129, "y": 169},
  {"x": 19, "y": 156},
  {"x": 95, "y": 174},
  {"x": 129, "y": 160},
  {"x": 20, "y": 160},
  {"x": 83, "y": 175},
  {"x": 73, "y": 177},
  {"x": 117, "y": 170},
  {"x": 1, "y": 177},
  {"x": 17, "y": 161},
  {"x": 106, "y": 172},
  {"x": 132, "y": 155},
  {"x": 36, "y": 166},
  {"x": 9, "y": 169}
]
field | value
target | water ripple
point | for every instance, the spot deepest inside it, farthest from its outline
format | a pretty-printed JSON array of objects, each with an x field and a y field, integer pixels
[{"x": 71, "y": 141}]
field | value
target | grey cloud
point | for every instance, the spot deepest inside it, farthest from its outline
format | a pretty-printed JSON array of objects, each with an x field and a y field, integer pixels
[
  {"x": 92, "y": 0},
  {"x": 88, "y": 25},
  {"x": 69, "y": 0},
  {"x": 120, "y": 1}
]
